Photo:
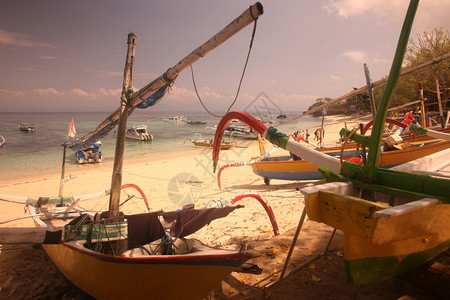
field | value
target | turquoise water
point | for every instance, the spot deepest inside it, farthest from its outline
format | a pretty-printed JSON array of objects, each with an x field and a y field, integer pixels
[{"x": 28, "y": 154}]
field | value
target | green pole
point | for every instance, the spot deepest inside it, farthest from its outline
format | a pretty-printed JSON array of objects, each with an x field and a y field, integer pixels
[{"x": 394, "y": 74}]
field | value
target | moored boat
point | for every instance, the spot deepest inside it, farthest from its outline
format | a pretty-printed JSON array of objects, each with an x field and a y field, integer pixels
[
  {"x": 139, "y": 133},
  {"x": 92, "y": 154},
  {"x": 196, "y": 122},
  {"x": 2, "y": 141},
  {"x": 240, "y": 130},
  {"x": 285, "y": 168},
  {"x": 209, "y": 143},
  {"x": 28, "y": 127},
  {"x": 175, "y": 119}
]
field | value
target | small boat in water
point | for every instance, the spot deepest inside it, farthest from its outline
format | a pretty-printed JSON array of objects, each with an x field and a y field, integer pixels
[
  {"x": 92, "y": 154},
  {"x": 176, "y": 119},
  {"x": 28, "y": 127},
  {"x": 200, "y": 142},
  {"x": 196, "y": 122},
  {"x": 2, "y": 141},
  {"x": 139, "y": 133},
  {"x": 240, "y": 130}
]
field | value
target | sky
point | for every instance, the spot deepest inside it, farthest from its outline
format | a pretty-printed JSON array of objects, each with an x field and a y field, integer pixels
[{"x": 69, "y": 56}]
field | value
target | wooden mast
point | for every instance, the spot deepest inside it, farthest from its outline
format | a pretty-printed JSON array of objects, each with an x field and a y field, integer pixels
[{"x": 116, "y": 181}]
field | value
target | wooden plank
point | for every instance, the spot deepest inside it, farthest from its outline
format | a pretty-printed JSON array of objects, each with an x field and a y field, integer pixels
[
  {"x": 425, "y": 217},
  {"x": 24, "y": 235}
]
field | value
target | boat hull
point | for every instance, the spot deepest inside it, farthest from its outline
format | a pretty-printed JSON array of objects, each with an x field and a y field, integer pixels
[
  {"x": 284, "y": 169},
  {"x": 159, "y": 277},
  {"x": 210, "y": 145},
  {"x": 380, "y": 241}
]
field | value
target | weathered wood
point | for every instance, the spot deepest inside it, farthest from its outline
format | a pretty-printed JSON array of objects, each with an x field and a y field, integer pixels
[
  {"x": 116, "y": 181},
  {"x": 24, "y": 235}
]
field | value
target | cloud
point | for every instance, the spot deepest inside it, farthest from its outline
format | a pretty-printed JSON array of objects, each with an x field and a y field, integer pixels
[
  {"x": 82, "y": 93},
  {"x": 112, "y": 92},
  {"x": 20, "y": 40},
  {"x": 47, "y": 92},
  {"x": 335, "y": 78},
  {"x": 430, "y": 14},
  {"x": 357, "y": 56}
]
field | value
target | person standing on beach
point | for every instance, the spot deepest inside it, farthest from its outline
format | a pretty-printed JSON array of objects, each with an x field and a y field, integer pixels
[{"x": 316, "y": 135}]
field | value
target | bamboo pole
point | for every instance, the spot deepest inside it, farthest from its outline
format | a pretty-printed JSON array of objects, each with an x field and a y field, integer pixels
[
  {"x": 116, "y": 181},
  {"x": 441, "y": 113},
  {"x": 247, "y": 17},
  {"x": 394, "y": 74},
  {"x": 370, "y": 91}
]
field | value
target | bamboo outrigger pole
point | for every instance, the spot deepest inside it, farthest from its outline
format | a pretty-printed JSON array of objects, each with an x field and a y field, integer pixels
[
  {"x": 248, "y": 16},
  {"x": 130, "y": 101}
]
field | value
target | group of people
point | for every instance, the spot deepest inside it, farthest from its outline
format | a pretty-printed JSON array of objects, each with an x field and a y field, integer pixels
[{"x": 304, "y": 135}]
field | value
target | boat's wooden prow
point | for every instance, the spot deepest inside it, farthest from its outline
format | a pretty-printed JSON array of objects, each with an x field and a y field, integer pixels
[{"x": 26, "y": 235}]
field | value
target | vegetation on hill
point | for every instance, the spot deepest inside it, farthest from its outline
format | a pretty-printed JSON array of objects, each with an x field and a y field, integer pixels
[{"x": 424, "y": 48}]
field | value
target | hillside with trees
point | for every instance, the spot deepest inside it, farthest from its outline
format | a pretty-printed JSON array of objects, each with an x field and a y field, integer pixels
[{"x": 424, "y": 48}]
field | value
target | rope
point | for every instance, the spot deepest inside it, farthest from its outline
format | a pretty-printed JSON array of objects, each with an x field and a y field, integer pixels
[{"x": 240, "y": 81}]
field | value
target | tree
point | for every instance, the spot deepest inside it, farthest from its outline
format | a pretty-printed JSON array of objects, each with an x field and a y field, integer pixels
[{"x": 424, "y": 48}]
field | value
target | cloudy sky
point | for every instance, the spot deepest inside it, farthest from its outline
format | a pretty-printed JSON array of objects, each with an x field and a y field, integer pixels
[{"x": 68, "y": 56}]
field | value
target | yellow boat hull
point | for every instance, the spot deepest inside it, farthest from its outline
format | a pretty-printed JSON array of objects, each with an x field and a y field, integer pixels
[
  {"x": 154, "y": 277},
  {"x": 380, "y": 241},
  {"x": 284, "y": 169}
]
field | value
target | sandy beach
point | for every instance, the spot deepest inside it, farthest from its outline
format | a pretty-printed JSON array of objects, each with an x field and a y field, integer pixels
[{"x": 169, "y": 183}]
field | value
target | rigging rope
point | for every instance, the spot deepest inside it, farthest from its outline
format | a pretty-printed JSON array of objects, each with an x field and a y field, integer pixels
[{"x": 240, "y": 81}]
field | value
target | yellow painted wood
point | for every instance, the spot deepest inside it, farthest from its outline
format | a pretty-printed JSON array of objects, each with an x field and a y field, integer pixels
[
  {"x": 349, "y": 214},
  {"x": 356, "y": 247},
  {"x": 430, "y": 219},
  {"x": 108, "y": 280}
]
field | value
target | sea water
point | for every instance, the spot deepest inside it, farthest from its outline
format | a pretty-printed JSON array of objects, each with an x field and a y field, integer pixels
[{"x": 32, "y": 154}]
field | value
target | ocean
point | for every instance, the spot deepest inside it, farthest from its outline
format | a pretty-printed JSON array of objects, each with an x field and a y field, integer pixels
[{"x": 32, "y": 154}]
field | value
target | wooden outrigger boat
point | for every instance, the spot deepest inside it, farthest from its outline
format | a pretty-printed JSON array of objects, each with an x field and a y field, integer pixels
[
  {"x": 392, "y": 221},
  {"x": 209, "y": 143},
  {"x": 110, "y": 255},
  {"x": 284, "y": 168}
]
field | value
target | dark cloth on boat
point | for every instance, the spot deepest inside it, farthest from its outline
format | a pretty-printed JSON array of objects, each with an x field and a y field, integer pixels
[
  {"x": 186, "y": 222},
  {"x": 143, "y": 229}
]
